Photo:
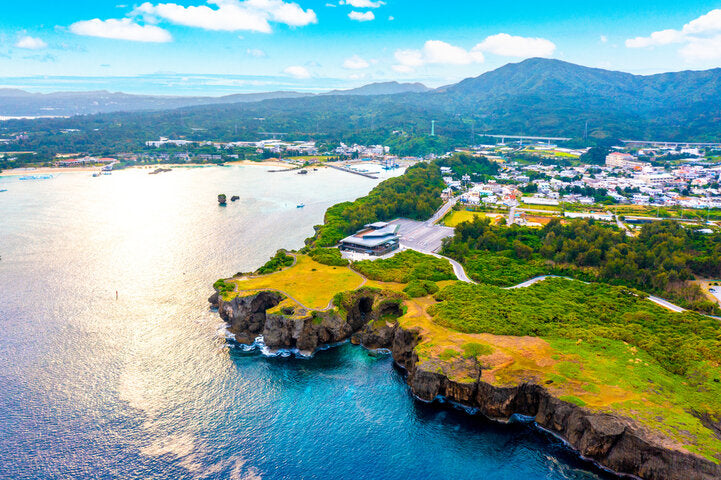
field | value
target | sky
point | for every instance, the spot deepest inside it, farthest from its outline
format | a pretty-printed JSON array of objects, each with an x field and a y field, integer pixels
[{"x": 216, "y": 47}]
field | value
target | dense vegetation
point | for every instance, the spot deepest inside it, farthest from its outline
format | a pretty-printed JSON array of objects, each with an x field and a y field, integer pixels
[
  {"x": 277, "y": 262},
  {"x": 405, "y": 267},
  {"x": 222, "y": 287},
  {"x": 475, "y": 167},
  {"x": 662, "y": 258},
  {"x": 420, "y": 288},
  {"x": 328, "y": 256},
  {"x": 415, "y": 194},
  {"x": 574, "y": 310}
]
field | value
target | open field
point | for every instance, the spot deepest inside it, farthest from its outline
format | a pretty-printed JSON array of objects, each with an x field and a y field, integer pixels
[
  {"x": 551, "y": 153},
  {"x": 309, "y": 282},
  {"x": 459, "y": 216},
  {"x": 543, "y": 220}
]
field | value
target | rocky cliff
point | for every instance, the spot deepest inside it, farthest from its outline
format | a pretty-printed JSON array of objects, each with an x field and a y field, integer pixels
[{"x": 368, "y": 317}]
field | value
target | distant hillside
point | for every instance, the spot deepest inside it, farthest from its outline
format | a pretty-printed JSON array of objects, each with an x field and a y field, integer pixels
[
  {"x": 15, "y": 102},
  {"x": 533, "y": 97},
  {"x": 382, "y": 88}
]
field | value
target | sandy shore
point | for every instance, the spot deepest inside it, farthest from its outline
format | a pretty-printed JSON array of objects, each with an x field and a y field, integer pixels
[
  {"x": 267, "y": 163},
  {"x": 48, "y": 170},
  {"x": 87, "y": 169}
]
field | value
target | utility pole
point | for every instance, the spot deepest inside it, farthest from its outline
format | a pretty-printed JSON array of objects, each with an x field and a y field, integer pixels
[
  {"x": 585, "y": 133},
  {"x": 433, "y": 128}
]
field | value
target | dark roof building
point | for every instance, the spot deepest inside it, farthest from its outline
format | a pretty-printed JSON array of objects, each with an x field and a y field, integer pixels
[{"x": 375, "y": 239}]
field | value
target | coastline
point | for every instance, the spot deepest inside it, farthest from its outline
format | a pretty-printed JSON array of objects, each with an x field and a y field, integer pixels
[
  {"x": 614, "y": 442},
  {"x": 87, "y": 169}
]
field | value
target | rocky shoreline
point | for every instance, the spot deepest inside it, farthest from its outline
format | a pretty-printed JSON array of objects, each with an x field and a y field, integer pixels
[{"x": 367, "y": 317}]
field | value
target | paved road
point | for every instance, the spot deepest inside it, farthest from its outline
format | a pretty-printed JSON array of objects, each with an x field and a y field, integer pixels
[
  {"x": 457, "y": 268},
  {"x": 445, "y": 208},
  {"x": 530, "y": 282},
  {"x": 654, "y": 299},
  {"x": 511, "y": 216},
  {"x": 666, "y": 304},
  {"x": 623, "y": 227}
]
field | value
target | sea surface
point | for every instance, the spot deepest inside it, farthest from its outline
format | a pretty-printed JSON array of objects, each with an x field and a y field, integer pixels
[{"x": 146, "y": 385}]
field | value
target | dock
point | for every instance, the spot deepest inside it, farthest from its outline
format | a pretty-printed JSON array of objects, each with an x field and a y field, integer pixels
[{"x": 350, "y": 170}]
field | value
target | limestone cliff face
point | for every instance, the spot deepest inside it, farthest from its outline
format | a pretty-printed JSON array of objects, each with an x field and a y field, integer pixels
[
  {"x": 617, "y": 443},
  {"x": 302, "y": 329}
]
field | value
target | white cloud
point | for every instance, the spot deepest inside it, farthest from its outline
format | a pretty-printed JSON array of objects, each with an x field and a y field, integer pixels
[
  {"x": 30, "y": 43},
  {"x": 435, "y": 52},
  {"x": 410, "y": 58},
  {"x": 709, "y": 23},
  {"x": 701, "y": 38},
  {"x": 391, "y": 18},
  {"x": 604, "y": 39},
  {"x": 122, "y": 29},
  {"x": 355, "y": 63},
  {"x": 297, "y": 71},
  {"x": 663, "y": 37},
  {"x": 361, "y": 16},
  {"x": 362, "y": 3},
  {"x": 702, "y": 49},
  {"x": 507, "y": 45},
  {"x": 255, "y": 52},
  {"x": 443, "y": 53},
  {"x": 231, "y": 15}
]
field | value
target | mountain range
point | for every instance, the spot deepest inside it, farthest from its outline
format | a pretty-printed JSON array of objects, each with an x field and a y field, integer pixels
[
  {"x": 20, "y": 103},
  {"x": 537, "y": 96}
]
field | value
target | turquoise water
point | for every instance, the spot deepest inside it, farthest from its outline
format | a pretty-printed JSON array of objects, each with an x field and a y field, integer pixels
[{"x": 146, "y": 386}]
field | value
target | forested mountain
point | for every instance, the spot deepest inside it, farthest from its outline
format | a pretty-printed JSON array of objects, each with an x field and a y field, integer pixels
[{"x": 533, "y": 97}]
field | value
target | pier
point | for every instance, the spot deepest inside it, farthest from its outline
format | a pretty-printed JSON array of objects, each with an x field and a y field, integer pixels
[{"x": 350, "y": 170}]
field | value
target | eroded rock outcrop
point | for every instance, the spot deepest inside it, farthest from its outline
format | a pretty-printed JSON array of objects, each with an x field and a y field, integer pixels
[{"x": 368, "y": 317}]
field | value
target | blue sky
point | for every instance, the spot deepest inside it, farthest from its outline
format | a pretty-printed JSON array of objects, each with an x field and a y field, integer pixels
[{"x": 225, "y": 46}]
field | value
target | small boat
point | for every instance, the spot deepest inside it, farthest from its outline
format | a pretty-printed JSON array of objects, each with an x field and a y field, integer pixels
[
  {"x": 300, "y": 205},
  {"x": 3, "y": 190},
  {"x": 96, "y": 174}
]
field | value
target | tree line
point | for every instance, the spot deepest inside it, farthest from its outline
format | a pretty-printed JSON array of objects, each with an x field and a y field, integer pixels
[{"x": 663, "y": 258}]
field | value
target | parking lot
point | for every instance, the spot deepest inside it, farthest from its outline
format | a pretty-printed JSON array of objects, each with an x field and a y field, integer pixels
[{"x": 421, "y": 236}]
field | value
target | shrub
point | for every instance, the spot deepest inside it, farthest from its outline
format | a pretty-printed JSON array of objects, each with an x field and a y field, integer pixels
[
  {"x": 277, "y": 262},
  {"x": 406, "y": 266},
  {"x": 420, "y": 288},
  {"x": 328, "y": 256},
  {"x": 473, "y": 349}
]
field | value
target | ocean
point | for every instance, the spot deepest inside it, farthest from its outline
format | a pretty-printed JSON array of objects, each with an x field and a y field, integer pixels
[{"x": 147, "y": 386}]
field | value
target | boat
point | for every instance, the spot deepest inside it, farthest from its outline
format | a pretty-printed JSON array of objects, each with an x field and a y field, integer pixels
[
  {"x": 300, "y": 205},
  {"x": 3, "y": 190},
  {"x": 96, "y": 174}
]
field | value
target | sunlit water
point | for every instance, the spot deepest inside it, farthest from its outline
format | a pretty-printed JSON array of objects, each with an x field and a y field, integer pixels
[{"x": 146, "y": 386}]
